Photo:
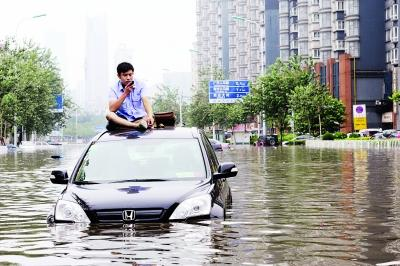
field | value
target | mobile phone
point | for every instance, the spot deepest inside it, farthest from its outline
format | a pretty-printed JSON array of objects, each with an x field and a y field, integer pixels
[{"x": 132, "y": 83}]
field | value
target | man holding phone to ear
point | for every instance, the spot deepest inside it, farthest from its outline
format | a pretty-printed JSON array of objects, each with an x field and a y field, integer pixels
[{"x": 128, "y": 104}]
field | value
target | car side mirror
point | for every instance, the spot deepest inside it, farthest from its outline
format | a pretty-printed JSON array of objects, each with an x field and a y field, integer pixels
[
  {"x": 60, "y": 177},
  {"x": 226, "y": 170}
]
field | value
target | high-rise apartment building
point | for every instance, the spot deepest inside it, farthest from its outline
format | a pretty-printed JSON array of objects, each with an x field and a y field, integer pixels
[
  {"x": 346, "y": 38},
  {"x": 392, "y": 50},
  {"x": 231, "y": 36},
  {"x": 354, "y": 44}
]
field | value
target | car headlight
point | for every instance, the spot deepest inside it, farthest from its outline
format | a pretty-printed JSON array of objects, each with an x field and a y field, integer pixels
[
  {"x": 70, "y": 212},
  {"x": 192, "y": 207}
]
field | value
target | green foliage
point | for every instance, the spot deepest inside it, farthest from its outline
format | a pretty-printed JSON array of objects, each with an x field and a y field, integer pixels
[
  {"x": 167, "y": 100},
  {"x": 340, "y": 135},
  {"x": 313, "y": 107},
  {"x": 272, "y": 91},
  {"x": 253, "y": 139},
  {"x": 328, "y": 136},
  {"x": 29, "y": 82},
  {"x": 395, "y": 97},
  {"x": 354, "y": 136}
]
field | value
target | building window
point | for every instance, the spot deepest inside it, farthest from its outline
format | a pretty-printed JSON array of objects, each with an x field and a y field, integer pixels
[
  {"x": 315, "y": 2},
  {"x": 339, "y": 45},
  {"x": 352, "y": 28},
  {"x": 293, "y": 27},
  {"x": 283, "y": 23},
  {"x": 315, "y": 18},
  {"x": 394, "y": 36},
  {"x": 315, "y": 35},
  {"x": 352, "y": 7},
  {"x": 387, "y": 13},
  {"x": 395, "y": 11},
  {"x": 387, "y": 57},
  {"x": 353, "y": 48},
  {"x": 340, "y": 5},
  {"x": 315, "y": 53},
  {"x": 387, "y": 36},
  {"x": 395, "y": 56},
  {"x": 340, "y": 25}
]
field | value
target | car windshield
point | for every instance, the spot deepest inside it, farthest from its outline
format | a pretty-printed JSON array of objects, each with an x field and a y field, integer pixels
[{"x": 142, "y": 160}]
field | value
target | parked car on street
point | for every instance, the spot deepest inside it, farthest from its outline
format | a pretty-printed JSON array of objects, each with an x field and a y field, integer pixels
[
  {"x": 267, "y": 140},
  {"x": 218, "y": 145},
  {"x": 160, "y": 175},
  {"x": 369, "y": 132}
]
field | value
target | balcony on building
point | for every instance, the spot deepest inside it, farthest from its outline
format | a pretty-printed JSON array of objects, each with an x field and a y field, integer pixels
[{"x": 339, "y": 45}]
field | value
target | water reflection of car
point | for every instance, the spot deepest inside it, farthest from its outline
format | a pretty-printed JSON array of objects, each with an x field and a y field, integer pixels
[
  {"x": 267, "y": 140},
  {"x": 218, "y": 145},
  {"x": 299, "y": 138},
  {"x": 159, "y": 175}
]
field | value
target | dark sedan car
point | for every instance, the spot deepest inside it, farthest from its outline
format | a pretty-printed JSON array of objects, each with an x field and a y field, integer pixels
[
  {"x": 159, "y": 175},
  {"x": 267, "y": 140}
]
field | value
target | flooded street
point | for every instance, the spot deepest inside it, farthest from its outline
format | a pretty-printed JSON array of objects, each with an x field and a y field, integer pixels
[{"x": 291, "y": 206}]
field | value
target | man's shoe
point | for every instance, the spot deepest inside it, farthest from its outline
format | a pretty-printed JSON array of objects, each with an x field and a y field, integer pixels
[{"x": 142, "y": 125}]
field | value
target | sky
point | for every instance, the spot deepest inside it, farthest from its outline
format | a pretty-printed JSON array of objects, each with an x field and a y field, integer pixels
[{"x": 159, "y": 33}]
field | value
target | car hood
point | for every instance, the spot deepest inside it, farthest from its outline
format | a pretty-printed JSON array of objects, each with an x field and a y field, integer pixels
[{"x": 134, "y": 194}]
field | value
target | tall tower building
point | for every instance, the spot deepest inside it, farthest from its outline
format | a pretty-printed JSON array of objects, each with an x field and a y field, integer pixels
[
  {"x": 346, "y": 38},
  {"x": 96, "y": 65},
  {"x": 231, "y": 36}
]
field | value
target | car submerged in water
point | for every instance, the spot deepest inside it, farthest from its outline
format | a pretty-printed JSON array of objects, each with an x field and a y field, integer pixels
[{"x": 159, "y": 175}]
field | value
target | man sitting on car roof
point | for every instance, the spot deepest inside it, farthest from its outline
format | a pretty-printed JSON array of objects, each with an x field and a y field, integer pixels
[{"x": 129, "y": 105}]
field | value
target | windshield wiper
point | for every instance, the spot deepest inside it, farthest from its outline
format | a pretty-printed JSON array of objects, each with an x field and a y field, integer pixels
[
  {"x": 85, "y": 182},
  {"x": 139, "y": 180}
]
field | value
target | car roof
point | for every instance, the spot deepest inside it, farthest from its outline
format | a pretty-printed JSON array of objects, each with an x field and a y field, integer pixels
[{"x": 156, "y": 133}]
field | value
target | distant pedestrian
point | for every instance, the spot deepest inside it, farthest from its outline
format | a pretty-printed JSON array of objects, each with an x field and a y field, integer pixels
[
  {"x": 129, "y": 105},
  {"x": 2, "y": 141}
]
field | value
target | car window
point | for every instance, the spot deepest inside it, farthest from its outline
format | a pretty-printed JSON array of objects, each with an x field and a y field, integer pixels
[
  {"x": 211, "y": 154},
  {"x": 138, "y": 159}
]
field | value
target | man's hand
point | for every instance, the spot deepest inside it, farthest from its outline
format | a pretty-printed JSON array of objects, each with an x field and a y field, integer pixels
[
  {"x": 129, "y": 88},
  {"x": 150, "y": 120}
]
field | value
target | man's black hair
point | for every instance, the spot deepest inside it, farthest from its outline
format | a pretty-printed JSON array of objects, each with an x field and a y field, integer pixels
[{"x": 124, "y": 67}]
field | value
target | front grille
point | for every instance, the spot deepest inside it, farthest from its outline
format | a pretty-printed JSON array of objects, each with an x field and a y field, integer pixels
[{"x": 115, "y": 216}]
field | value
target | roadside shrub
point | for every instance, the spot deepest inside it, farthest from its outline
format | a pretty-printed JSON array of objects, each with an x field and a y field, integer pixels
[
  {"x": 253, "y": 139},
  {"x": 354, "y": 136},
  {"x": 328, "y": 136},
  {"x": 340, "y": 135}
]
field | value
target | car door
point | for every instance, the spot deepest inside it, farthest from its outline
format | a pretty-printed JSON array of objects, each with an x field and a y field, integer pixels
[{"x": 221, "y": 188}]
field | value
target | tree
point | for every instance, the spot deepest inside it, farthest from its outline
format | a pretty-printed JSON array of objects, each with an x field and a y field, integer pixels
[
  {"x": 316, "y": 111},
  {"x": 395, "y": 97},
  {"x": 29, "y": 83},
  {"x": 271, "y": 93},
  {"x": 168, "y": 100}
]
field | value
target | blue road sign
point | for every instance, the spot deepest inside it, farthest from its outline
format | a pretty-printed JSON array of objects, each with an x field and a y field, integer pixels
[
  {"x": 227, "y": 91},
  {"x": 59, "y": 104}
]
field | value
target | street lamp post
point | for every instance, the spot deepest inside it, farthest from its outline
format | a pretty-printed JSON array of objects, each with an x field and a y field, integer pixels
[{"x": 262, "y": 118}]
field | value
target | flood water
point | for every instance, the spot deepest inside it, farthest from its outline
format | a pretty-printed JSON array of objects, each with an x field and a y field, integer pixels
[{"x": 291, "y": 206}]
